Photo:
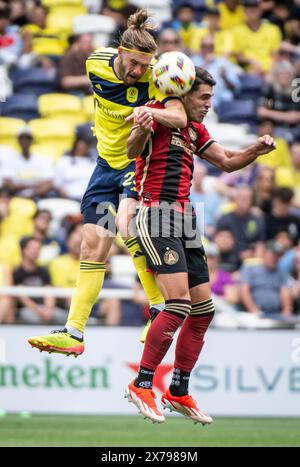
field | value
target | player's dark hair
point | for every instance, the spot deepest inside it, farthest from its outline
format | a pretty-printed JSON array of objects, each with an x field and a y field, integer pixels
[
  {"x": 137, "y": 35},
  {"x": 202, "y": 77}
]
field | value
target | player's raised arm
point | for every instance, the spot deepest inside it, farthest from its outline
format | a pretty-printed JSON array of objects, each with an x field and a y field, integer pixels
[
  {"x": 172, "y": 116},
  {"x": 230, "y": 161},
  {"x": 139, "y": 135}
]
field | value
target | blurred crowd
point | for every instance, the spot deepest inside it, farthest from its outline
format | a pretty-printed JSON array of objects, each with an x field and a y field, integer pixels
[{"x": 250, "y": 219}]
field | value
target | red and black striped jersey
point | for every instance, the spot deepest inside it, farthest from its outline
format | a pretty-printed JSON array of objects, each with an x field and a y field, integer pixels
[{"x": 165, "y": 168}]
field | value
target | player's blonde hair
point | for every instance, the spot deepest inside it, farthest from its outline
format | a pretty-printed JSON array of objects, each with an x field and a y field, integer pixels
[{"x": 137, "y": 36}]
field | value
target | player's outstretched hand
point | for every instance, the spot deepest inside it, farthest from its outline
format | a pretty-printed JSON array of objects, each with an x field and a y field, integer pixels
[{"x": 265, "y": 144}]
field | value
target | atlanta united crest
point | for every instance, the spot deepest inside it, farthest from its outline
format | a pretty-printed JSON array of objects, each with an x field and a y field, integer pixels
[
  {"x": 192, "y": 134},
  {"x": 171, "y": 257}
]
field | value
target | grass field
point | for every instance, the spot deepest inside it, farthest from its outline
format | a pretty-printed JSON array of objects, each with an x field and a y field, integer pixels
[{"x": 49, "y": 430}]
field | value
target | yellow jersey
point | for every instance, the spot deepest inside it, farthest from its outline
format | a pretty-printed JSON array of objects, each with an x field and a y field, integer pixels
[
  {"x": 259, "y": 45},
  {"x": 114, "y": 101},
  {"x": 230, "y": 18},
  {"x": 63, "y": 271}
]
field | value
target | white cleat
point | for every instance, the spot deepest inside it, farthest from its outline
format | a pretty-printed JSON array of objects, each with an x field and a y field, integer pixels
[
  {"x": 144, "y": 400},
  {"x": 185, "y": 405}
]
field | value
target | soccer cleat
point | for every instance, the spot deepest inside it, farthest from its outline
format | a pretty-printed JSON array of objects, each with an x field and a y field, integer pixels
[
  {"x": 186, "y": 406},
  {"x": 153, "y": 313},
  {"x": 59, "y": 341},
  {"x": 144, "y": 400}
]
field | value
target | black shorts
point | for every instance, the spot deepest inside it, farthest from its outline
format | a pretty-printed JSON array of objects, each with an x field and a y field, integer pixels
[{"x": 171, "y": 243}]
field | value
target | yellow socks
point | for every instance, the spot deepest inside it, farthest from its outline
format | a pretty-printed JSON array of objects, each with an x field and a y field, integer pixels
[
  {"x": 89, "y": 283},
  {"x": 147, "y": 279}
]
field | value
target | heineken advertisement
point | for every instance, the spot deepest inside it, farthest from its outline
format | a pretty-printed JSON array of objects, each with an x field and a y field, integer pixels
[{"x": 247, "y": 373}]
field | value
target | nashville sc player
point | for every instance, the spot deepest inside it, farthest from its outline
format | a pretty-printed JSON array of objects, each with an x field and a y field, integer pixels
[{"x": 121, "y": 81}]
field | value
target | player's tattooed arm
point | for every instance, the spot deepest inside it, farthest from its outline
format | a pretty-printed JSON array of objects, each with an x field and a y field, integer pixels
[{"x": 229, "y": 161}]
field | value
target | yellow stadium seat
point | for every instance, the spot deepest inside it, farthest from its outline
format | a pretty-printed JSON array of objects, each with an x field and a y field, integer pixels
[
  {"x": 9, "y": 129},
  {"x": 51, "y": 151},
  {"x": 56, "y": 133},
  {"x": 64, "y": 106},
  {"x": 61, "y": 17},
  {"x": 89, "y": 108},
  {"x": 54, "y": 3}
]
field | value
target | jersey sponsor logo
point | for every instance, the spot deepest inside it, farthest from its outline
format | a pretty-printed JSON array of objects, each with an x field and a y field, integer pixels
[
  {"x": 109, "y": 112},
  {"x": 182, "y": 144},
  {"x": 132, "y": 94},
  {"x": 171, "y": 257}
]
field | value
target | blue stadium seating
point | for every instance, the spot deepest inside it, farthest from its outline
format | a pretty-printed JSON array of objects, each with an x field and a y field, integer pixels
[
  {"x": 22, "y": 106},
  {"x": 33, "y": 81},
  {"x": 238, "y": 111},
  {"x": 251, "y": 86}
]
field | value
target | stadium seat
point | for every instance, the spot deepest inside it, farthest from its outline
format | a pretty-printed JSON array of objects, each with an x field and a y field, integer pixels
[
  {"x": 123, "y": 270},
  {"x": 59, "y": 208},
  {"x": 238, "y": 111},
  {"x": 33, "y": 81},
  {"x": 89, "y": 108},
  {"x": 22, "y": 106},
  {"x": 54, "y": 3},
  {"x": 9, "y": 129},
  {"x": 57, "y": 133},
  {"x": 99, "y": 25},
  {"x": 160, "y": 9},
  {"x": 251, "y": 86},
  {"x": 229, "y": 135},
  {"x": 63, "y": 106},
  {"x": 52, "y": 151},
  {"x": 61, "y": 17}
]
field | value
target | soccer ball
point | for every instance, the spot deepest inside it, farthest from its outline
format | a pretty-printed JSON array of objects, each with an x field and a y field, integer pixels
[{"x": 173, "y": 73}]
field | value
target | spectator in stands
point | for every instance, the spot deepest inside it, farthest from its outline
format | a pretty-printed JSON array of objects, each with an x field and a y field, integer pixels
[
  {"x": 290, "y": 176},
  {"x": 10, "y": 40},
  {"x": 286, "y": 262},
  {"x": 72, "y": 72},
  {"x": 231, "y": 14},
  {"x": 263, "y": 189},
  {"x": 64, "y": 268},
  {"x": 255, "y": 41},
  {"x": 33, "y": 310},
  {"x": 263, "y": 287},
  {"x": 281, "y": 156},
  {"x": 222, "y": 281},
  {"x": 42, "y": 40},
  {"x": 277, "y": 105},
  {"x": 225, "y": 73},
  {"x": 223, "y": 42},
  {"x": 168, "y": 41},
  {"x": 280, "y": 15},
  {"x": 246, "y": 227},
  {"x": 28, "y": 174},
  {"x": 293, "y": 26},
  {"x": 185, "y": 24},
  {"x": 296, "y": 282},
  {"x": 73, "y": 171},
  {"x": 229, "y": 258},
  {"x": 6, "y": 303},
  {"x": 206, "y": 204},
  {"x": 281, "y": 219},
  {"x": 51, "y": 247}
]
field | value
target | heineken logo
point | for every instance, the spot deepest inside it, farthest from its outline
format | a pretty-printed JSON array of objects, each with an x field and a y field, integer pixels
[{"x": 50, "y": 375}]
